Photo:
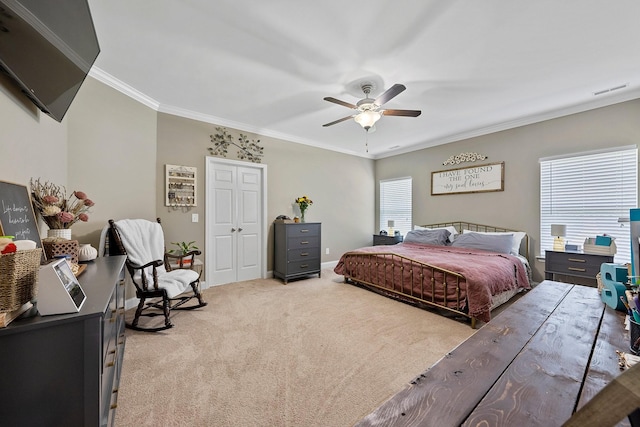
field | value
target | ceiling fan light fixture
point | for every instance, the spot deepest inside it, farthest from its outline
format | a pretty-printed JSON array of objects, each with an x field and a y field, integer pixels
[{"x": 367, "y": 119}]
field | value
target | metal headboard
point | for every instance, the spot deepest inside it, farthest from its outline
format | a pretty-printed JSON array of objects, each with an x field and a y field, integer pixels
[{"x": 463, "y": 225}]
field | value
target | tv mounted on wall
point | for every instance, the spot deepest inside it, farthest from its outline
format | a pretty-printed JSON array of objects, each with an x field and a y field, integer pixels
[{"x": 47, "y": 48}]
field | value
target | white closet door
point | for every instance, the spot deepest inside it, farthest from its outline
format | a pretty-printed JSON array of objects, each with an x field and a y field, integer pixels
[
  {"x": 235, "y": 247},
  {"x": 248, "y": 220}
]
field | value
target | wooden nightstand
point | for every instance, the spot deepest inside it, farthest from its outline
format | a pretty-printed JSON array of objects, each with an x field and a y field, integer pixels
[
  {"x": 582, "y": 267},
  {"x": 386, "y": 240}
]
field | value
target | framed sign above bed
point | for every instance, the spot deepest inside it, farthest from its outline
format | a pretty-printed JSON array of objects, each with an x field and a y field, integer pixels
[{"x": 472, "y": 179}]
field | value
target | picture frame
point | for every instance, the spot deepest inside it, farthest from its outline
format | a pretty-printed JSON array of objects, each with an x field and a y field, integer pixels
[
  {"x": 470, "y": 179},
  {"x": 59, "y": 291}
]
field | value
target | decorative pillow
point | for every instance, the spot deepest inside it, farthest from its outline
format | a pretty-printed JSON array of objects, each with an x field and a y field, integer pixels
[
  {"x": 428, "y": 237},
  {"x": 517, "y": 238},
  {"x": 488, "y": 242},
  {"x": 452, "y": 230}
]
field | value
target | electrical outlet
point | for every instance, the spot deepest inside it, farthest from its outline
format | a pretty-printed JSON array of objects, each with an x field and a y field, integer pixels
[
  {"x": 326, "y": 251},
  {"x": 194, "y": 217}
]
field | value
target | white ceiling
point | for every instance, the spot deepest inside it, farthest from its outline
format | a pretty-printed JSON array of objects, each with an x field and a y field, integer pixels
[{"x": 472, "y": 67}]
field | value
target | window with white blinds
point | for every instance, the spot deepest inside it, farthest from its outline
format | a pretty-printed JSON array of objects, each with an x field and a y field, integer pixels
[
  {"x": 395, "y": 204},
  {"x": 588, "y": 193}
]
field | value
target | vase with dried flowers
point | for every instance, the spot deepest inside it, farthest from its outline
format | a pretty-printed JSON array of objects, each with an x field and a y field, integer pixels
[
  {"x": 303, "y": 203},
  {"x": 58, "y": 211}
]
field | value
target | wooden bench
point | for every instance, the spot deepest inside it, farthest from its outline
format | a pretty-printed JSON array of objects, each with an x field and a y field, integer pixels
[{"x": 535, "y": 363}]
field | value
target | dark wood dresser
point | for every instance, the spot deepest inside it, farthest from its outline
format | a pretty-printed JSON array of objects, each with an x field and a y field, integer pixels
[
  {"x": 576, "y": 267},
  {"x": 297, "y": 250},
  {"x": 64, "y": 370}
]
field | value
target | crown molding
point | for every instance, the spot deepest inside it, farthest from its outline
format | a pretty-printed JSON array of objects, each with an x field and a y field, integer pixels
[
  {"x": 124, "y": 88},
  {"x": 597, "y": 102},
  {"x": 604, "y": 101}
]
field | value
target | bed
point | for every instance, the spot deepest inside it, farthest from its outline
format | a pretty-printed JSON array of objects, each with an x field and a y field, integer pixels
[{"x": 461, "y": 267}]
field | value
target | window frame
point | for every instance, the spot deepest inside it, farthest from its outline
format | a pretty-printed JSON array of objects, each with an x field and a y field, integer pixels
[
  {"x": 587, "y": 198},
  {"x": 404, "y": 225}
]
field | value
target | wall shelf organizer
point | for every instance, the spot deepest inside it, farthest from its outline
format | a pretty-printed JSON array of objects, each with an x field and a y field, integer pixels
[{"x": 181, "y": 186}]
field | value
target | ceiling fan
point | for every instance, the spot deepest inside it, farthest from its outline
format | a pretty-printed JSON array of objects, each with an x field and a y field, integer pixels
[{"x": 368, "y": 110}]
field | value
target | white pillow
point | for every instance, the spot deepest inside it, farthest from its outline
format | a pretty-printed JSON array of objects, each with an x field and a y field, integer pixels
[
  {"x": 452, "y": 230},
  {"x": 517, "y": 238}
]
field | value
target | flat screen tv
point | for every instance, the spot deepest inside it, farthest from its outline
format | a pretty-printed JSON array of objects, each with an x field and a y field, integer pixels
[{"x": 47, "y": 47}]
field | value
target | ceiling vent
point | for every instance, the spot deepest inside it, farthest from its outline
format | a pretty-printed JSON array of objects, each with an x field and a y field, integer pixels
[{"x": 602, "y": 92}]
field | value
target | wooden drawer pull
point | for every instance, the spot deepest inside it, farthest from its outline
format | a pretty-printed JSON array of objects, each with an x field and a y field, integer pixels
[
  {"x": 577, "y": 260},
  {"x": 304, "y": 254},
  {"x": 304, "y": 243},
  {"x": 304, "y": 265},
  {"x": 577, "y": 269}
]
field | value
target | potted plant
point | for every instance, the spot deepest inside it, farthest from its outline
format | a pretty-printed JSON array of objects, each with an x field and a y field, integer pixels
[{"x": 183, "y": 249}]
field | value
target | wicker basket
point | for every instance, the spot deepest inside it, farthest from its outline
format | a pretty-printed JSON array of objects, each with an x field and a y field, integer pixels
[
  {"x": 63, "y": 247},
  {"x": 18, "y": 278}
]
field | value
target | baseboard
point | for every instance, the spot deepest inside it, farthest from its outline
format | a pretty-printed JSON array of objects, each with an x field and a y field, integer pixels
[{"x": 330, "y": 264}]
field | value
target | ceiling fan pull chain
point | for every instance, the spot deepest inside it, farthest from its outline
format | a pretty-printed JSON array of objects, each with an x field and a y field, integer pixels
[{"x": 366, "y": 140}]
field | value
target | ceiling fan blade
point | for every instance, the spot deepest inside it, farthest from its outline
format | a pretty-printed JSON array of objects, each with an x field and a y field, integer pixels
[
  {"x": 337, "y": 121},
  {"x": 391, "y": 93},
  {"x": 404, "y": 113},
  {"x": 337, "y": 101}
]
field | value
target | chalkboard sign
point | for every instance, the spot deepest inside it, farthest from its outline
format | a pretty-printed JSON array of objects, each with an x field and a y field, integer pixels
[{"x": 16, "y": 215}]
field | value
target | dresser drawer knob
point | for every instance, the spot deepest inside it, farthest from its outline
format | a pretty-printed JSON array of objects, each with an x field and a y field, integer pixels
[
  {"x": 304, "y": 265},
  {"x": 577, "y": 260},
  {"x": 577, "y": 269},
  {"x": 304, "y": 254},
  {"x": 304, "y": 243},
  {"x": 304, "y": 231}
]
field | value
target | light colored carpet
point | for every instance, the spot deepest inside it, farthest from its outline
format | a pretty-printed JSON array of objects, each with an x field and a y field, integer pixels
[{"x": 314, "y": 352}]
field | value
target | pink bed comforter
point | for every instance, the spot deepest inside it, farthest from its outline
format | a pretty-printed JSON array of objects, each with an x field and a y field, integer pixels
[{"x": 486, "y": 273}]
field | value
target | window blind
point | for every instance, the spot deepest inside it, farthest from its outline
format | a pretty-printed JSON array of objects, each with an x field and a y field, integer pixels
[
  {"x": 588, "y": 192},
  {"x": 395, "y": 204}
]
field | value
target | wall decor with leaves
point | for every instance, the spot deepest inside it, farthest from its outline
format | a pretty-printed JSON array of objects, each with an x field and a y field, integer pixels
[
  {"x": 464, "y": 157},
  {"x": 247, "y": 149}
]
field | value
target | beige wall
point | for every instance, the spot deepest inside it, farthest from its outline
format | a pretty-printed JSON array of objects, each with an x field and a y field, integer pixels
[
  {"x": 31, "y": 143},
  {"x": 115, "y": 149},
  {"x": 339, "y": 185},
  {"x": 520, "y": 148},
  {"x": 105, "y": 146},
  {"x": 112, "y": 156}
]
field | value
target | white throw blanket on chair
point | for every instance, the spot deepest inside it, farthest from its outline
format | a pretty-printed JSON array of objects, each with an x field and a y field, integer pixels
[{"x": 144, "y": 242}]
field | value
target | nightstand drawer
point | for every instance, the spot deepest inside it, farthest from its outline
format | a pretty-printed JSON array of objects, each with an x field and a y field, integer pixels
[
  {"x": 574, "y": 264},
  {"x": 379, "y": 239}
]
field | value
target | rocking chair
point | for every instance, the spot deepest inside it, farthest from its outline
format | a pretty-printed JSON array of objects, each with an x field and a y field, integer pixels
[{"x": 157, "y": 285}]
